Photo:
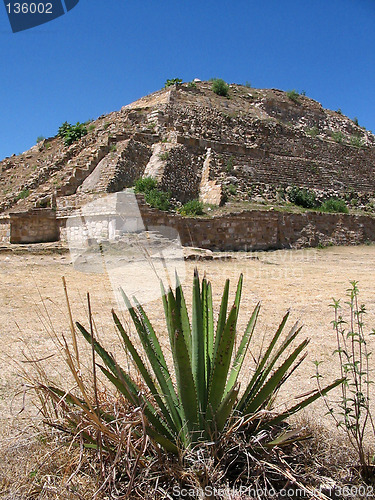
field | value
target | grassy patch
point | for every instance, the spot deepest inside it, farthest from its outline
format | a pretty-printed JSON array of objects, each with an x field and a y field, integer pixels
[
  {"x": 334, "y": 205},
  {"x": 164, "y": 156},
  {"x": 294, "y": 96},
  {"x": 312, "y": 132},
  {"x": 338, "y": 136},
  {"x": 23, "y": 194},
  {"x": 193, "y": 207},
  {"x": 158, "y": 199},
  {"x": 145, "y": 184},
  {"x": 356, "y": 141}
]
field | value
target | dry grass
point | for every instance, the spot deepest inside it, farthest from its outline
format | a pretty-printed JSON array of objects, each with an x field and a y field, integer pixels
[
  {"x": 40, "y": 465},
  {"x": 47, "y": 466},
  {"x": 35, "y": 463}
]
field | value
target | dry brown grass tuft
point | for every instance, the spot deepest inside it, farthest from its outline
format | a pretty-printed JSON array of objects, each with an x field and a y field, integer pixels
[
  {"x": 53, "y": 465},
  {"x": 41, "y": 465},
  {"x": 327, "y": 459}
]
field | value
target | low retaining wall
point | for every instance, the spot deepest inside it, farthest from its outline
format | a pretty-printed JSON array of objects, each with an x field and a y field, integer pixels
[
  {"x": 266, "y": 230},
  {"x": 35, "y": 226},
  {"x": 4, "y": 230},
  {"x": 252, "y": 230}
]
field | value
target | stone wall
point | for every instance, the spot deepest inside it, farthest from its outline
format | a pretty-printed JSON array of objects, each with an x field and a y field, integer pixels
[
  {"x": 110, "y": 217},
  {"x": 252, "y": 230},
  {"x": 182, "y": 173},
  {"x": 130, "y": 166},
  {"x": 277, "y": 152},
  {"x": 265, "y": 230},
  {"x": 35, "y": 226},
  {"x": 4, "y": 230}
]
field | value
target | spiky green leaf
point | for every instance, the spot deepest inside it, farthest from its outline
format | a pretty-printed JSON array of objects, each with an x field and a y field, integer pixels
[
  {"x": 221, "y": 363},
  {"x": 242, "y": 350},
  {"x": 259, "y": 401},
  {"x": 162, "y": 394},
  {"x": 185, "y": 382},
  {"x": 198, "y": 343}
]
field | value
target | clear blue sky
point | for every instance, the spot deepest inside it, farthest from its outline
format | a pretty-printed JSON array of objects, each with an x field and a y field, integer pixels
[{"x": 104, "y": 54}]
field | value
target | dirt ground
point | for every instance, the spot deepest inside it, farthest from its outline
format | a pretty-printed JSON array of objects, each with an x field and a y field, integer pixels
[{"x": 304, "y": 281}]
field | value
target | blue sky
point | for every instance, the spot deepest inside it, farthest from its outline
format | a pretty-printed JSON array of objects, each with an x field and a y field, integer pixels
[{"x": 104, "y": 54}]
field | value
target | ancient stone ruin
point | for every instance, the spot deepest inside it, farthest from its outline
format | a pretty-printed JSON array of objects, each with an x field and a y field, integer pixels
[{"x": 248, "y": 148}]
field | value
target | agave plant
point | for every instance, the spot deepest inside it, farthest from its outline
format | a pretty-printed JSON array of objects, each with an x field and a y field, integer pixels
[{"x": 197, "y": 400}]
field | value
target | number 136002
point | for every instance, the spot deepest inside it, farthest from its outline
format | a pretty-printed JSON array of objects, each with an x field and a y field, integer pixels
[{"x": 29, "y": 8}]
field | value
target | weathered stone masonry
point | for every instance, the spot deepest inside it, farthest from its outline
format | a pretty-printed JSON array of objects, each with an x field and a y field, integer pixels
[
  {"x": 252, "y": 147},
  {"x": 4, "y": 230},
  {"x": 251, "y": 230},
  {"x": 254, "y": 230},
  {"x": 34, "y": 226},
  {"x": 265, "y": 230}
]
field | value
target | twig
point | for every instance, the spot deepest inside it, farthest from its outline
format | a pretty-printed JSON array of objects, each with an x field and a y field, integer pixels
[
  {"x": 287, "y": 474},
  {"x": 99, "y": 439},
  {"x": 72, "y": 329}
]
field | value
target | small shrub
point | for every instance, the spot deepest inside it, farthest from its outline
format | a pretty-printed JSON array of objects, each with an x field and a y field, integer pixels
[
  {"x": 106, "y": 125},
  {"x": 219, "y": 87},
  {"x": 40, "y": 138},
  {"x": 164, "y": 156},
  {"x": 232, "y": 190},
  {"x": 91, "y": 127},
  {"x": 229, "y": 167},
  {"x": 248, "y": 85},
  {"x": 172, "y": 81},
  {"x": 356, "y": 141},
  {"x": 338, "y": 136},
  {"x": 355, "y": 121},
  {"x": 113, "y": 148},
  {"x": 23, "y": 194},
  {"x": 193, "y": 207},
  {"x": 71, "y": 133},
  {"x": 353, "y": 412},
  {"x": 312, "y": 132},
  {"x": 145, "y": 185},
  {"x": 63, "y": 129},
  {"x": 334, "y": 205},
  {"x": 158, "y": 199},
  {"x": 327, "y": 244},
  {"x": 192, "y": 85},
  {"x": 302, "y": 197},
  {"x": 339, "y": 112},
  {"x": 293, "y": 96}
]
